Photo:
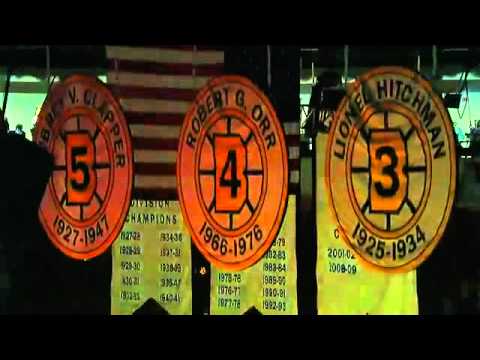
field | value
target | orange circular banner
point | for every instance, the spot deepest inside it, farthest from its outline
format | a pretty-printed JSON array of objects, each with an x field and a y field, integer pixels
[
  {"x": 232, "y": 172},
  {"x": 88, "y": 195},
  {"x": 390, "y": 168}
]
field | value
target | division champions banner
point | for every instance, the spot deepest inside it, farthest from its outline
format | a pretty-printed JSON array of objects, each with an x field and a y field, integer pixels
[
  {"x": 155, "y": 87},
  {"x": 233, "y": 184},
  {"x": 152, "y": 259}
]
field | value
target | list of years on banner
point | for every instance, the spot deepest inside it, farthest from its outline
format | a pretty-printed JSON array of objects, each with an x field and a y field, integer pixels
[
  {"x": 270, "y": 285},
  {"x": 152, "y": 259},
  {"x": 345, "y": 287}
]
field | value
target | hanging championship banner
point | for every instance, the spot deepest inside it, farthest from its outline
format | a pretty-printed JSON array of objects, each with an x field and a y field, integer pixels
[
  {"x": 270, "y": 285},
  {"x": 152, "y": 259},
  {"x": 88, "y": 195},
  {"x": 344, "y": 286},
  {"x": 390, "y": 169},
  {"x": 232, "y": 172}
]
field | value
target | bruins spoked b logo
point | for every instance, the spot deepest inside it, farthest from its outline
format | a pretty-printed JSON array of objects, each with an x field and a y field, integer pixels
[
  {"x": 232, "y": 172},
  {"x": 88, "y": 195},
  {"x": 390, "y": 169}
]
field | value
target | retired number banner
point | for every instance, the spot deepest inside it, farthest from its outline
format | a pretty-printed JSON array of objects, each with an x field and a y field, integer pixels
[
  {"x": 390, "y": 169},
  {"x": 345, "y": 287},
  {"x": 270, "y": 285},
  {"x": 87, "y": 198},
  {"x": 232, "y": 172},
  {"x": 152, "y": 259}
]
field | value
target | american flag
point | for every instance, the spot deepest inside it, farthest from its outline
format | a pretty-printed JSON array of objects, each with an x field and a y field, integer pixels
[{"x": 155, "y": 87}]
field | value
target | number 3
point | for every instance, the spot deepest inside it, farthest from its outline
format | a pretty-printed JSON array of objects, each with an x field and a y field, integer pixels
[
  {"x": 388, "y": 170},
  {"x": 388, "y": 186}
]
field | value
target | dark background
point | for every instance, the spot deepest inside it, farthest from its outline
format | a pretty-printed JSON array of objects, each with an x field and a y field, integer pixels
[{"x": 43, "y": 280}]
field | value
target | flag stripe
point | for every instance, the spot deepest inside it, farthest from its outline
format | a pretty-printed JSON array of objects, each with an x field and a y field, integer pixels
[
  {"x": 294, "y": 188},
  {"x": 134, "y": 117},
  {"x": 157, "y": 81},
  {"x": 294, "y": 176},
  {"x": 293, "y": 164},
  {"x": 180, "y": 47},
  {"x": 165, "y": 55},
  {"x": 155, "y": 169},
  {"x": 154, "y": 156},
  {"x": 147, "y": 67},
  {"x": 155, "y": 144},
  {"x": 158, "y": 132},
  {"x": 292, "y": 140},
  {"x": 153, "y": 181},
  {"x": 294, "y": 152},
  {"x": 132, "y": 92},
  {"x": 292, "y": 128},
  {"x": 149, "y": 105}
]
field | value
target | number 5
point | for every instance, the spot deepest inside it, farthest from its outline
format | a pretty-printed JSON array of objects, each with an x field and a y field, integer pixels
[
  {"x": 79, "y": 165},
  {"x": 380, "y": 252},
  {"x": 81, "y": 180}
]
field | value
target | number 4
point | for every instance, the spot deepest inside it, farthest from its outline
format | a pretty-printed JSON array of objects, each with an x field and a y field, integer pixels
[
  {"x": 234, "y": 183},
  {"x": 230, "y": 179}
]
